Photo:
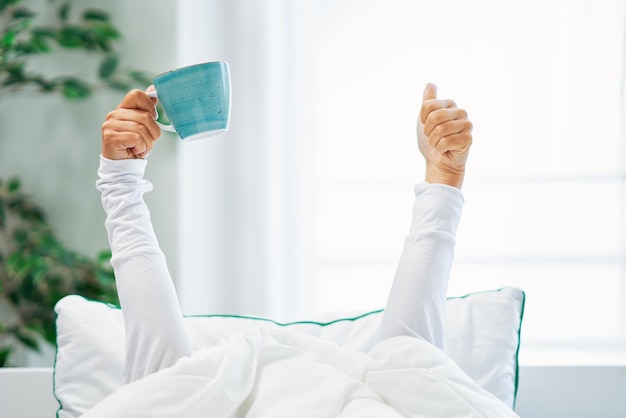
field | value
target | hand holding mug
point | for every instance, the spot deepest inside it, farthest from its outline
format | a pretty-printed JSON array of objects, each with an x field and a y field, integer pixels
[
  {"x": 196, "y": 100},
  {"x": 130, "y": 130}
]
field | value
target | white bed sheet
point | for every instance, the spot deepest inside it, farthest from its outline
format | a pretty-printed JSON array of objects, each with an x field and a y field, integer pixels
[{"x": 280, "y": 373}]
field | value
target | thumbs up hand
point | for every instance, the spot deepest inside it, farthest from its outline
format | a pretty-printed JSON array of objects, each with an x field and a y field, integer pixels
[{"x": 444, "y": 135}]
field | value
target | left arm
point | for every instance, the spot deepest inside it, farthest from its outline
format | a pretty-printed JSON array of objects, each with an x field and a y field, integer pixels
[{"x": 416, "y": 303}]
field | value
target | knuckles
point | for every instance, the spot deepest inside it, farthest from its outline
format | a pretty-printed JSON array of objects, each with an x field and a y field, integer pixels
[
  {"x": 442, "y": 120},
  {"x": 135, "y": 95}
]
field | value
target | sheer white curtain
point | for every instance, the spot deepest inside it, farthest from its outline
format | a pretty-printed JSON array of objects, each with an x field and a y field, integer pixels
[
  {"x": 305, "y": 203},
  {"x": 244, "y": 196},
  {"x": 542, "y": 81}
]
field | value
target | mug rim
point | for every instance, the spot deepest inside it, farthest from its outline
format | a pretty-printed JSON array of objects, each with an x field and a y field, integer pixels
[{"x": 186, "y": 67}]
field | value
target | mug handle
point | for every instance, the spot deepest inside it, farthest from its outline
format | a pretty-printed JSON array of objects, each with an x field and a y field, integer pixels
[{"x": 170, "y": 127}]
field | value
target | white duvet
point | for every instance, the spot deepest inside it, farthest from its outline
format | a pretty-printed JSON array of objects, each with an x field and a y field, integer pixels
[{"x": 281, "y": 373}]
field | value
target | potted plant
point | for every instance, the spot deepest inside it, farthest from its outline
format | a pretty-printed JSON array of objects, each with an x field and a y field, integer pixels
[{"x": 36, "y": 269}]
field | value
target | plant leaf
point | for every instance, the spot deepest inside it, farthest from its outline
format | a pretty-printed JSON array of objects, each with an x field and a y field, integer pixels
[
  {"x": 73, "y": 88},
  {"x": 14, "y": 185},
  {"x": 34, "y": 45},
  {"x": 6, "y": 3},
  {"x": 8, "y": 39},
  {"x": 96, "y": 14},
  {"x": 71, "y": 36},
  {"x": 5, "y": 352},
  {"x": 64, "y": 11},
  {"x": 50, "y": 334},
  {"x": 45, "y": 85},
  {"x": 105, "y": 31},
  {"x": 104, "y": 257},
  {"x": 23, "y": 13},
  {"x": 108, "y": 66},
  {"x": 39, "y": 43},
  {"x": 44, "y": 32}
]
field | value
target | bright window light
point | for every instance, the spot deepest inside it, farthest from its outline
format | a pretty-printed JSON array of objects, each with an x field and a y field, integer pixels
[{"x": 542, "y": 83}]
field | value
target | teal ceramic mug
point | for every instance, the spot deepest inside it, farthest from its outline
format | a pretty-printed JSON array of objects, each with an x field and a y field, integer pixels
[{"x": 196, "y": 99}]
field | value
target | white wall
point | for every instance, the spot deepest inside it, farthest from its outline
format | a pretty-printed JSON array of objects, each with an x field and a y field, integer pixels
[{"x": 53, "y": 145}]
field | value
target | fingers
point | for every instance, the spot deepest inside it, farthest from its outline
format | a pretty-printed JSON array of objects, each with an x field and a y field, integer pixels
[
  {"x": 126, "y": 145},
  {"x": 457, "y": 139},
  {"x": 432, "y": 105},
  {"x": 134, "y": 120},
  {"x": 446, "y": 136},
  {"x": 130, "y": 130},
  {"x": 441, "y": 116},
  {"x": 137, "y": 99},
  {"x": 122, "y": 139}
]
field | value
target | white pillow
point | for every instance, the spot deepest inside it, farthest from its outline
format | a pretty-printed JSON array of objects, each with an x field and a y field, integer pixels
[{"x": 482, "y": 336}]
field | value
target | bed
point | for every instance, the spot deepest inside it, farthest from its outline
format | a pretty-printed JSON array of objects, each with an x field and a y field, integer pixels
[{"x": 352, "y": 374}]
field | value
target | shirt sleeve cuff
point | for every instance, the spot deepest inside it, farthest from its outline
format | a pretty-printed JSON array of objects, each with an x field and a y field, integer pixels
[{"x": 115, "y": 168}]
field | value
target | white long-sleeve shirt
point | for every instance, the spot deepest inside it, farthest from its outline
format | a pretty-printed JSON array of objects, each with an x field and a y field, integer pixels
[{"x": 155, "y": 333}]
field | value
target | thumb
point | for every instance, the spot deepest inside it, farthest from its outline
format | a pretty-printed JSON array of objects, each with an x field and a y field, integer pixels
[
  {"x": 152, "y": 89},
  {"x": 430, "y": 92}
]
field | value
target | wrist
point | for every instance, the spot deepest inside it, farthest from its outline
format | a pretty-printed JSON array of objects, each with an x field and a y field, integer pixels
[{"x": 452, "y": 178}]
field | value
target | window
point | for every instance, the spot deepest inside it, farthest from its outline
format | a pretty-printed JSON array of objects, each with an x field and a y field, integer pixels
[{"x": 545, "y": 188}]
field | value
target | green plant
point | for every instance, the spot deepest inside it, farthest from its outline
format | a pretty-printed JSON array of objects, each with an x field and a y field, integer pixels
[
  {"x": 22, "y": 38},
  {"x": 36, "y": 270}
]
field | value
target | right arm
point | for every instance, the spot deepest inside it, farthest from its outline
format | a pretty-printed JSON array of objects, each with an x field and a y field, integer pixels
[{"x": 155, "y": 333}]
